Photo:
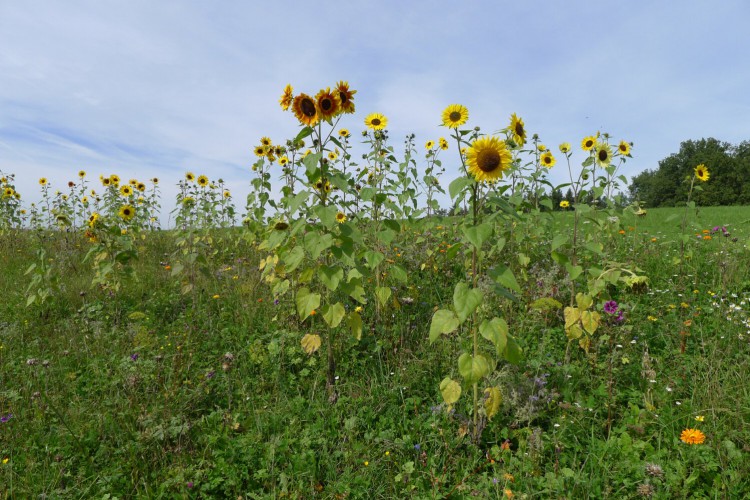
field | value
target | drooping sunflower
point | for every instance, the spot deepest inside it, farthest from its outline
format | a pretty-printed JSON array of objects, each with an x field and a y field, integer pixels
[
  {"x": 126, "y": 190},
  {"x": 565, "y": 148},
  {"x": 140, "y": 187},
  {"x": 346, "y": 97},
  {"x": 603, "y": 154},
  {"x": 340, "y": 217},
  {"x": 287, "y": 97},
  {"x": 305, "y": 110},
  {"x": 547, "y": 159},
  {"x": 455, "y": 115},
  {"x": 81, "y": 174},
  {"x": 443, "y": 143},
  {"x": 344, "y": 133},
  {"x": 114, "y": 179},
  {"x": 517, "y": 130},
  {"x": 624, "y": 148},
  {"x": 692, "y": 436},
  {"x": 42, "y": 181},
  {"x": 488, "y": 158},
  {"x": 329, "y": 103},
  {"x": 429, "y": 144},
  {"x": 588, "y": 143},
  {"x": 541, "y": 147},
  {"x": 203, "y": 181},
  {"x": 126, "y": 212},
  {"x": 190, "y": 177},
  {"x": 701, "y": 172},
  {"x": 279, "y": 150},
  {"x": 376, "y": 121}
]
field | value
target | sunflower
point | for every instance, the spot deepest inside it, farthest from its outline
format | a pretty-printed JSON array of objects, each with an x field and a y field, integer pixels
[
  {"x": 279, "y": 150},
  {"x": 305, "y": 110},
  {"x": 203, "y": 181},
  {"x": 140, "y": 187},
  {"x": 287, "y": 97},
  {"x": 155, "y": 180},
  {"x": 106, "y": 181},
  {"x": 547, "y": 159},
  {"x": 227, "y": 194},
  {"x": 329, "y": 103},
  {"x": 603, "y": 154},
  {"x": 487, "y": 159},
  {"x": 81, "y": 174},
  {"x": 8, "y": 192},
  {"x": 126, "y": 212},
  {"x": 624, "y": 148},
  {"x": 85, "y": 200},
  {"x": 190, "y": 177},
  {"x": 701, "y": 172},
  {"x": 283, "y": 161},
  {"x": 340, "y": 217},
  {"x": 332, "y": 156},
  {"x": 114, "y": 179},
  {"x": 565, "y": 147},
  {"x": 692, "y": 436},
  {"x": 344, "y": 133},
  {"x": 266, "y": 142},
  {"x": 564, "y": 204},
  {"x": 188, "y": 201},
  {"x": 455, "y": 115},
  {"x": 133, "y": 182},
  {"x": 541, "y": 147},
  {"x": 345, "y": 96},
  {"x": 429, "y": 144},
  {"x": 376, "y": 121},
  {"x": 517, "y": 130},
  {"x": 443, "y": 143},
  {"x": 588, "y": 143},
  {"x": 42, "y": 181},
  {"x": 126, "y": 190},
  {"x": 259, "y": 151}
]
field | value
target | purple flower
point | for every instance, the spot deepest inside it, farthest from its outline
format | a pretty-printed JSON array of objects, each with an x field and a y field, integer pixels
[
  {"x": 417, "y": 447},
  {"x": 6, "y": 418},
  {"x": 620, "y": 317},
  {"x": 134, "y": 357},
  {"x": 610, "y": 307},
  {"x": 715, "y": 229},
  {"x": 190, "y": 484}
]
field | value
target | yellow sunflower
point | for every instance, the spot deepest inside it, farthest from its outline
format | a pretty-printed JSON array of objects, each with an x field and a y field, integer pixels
[
  {"x": 376, "y": 121},
  {"x": 203, "y": 181},
  {"x": 517, "y": 130},
  {"x": 701, "y": 172},
  {"x": 588, "y": 143},
  {"x": 329, "y": 103},
  {"x": 283, "y": 161},
  {"x": 259, "y": 151},
  {"x": 565, "y": 148},
  {"x": 266, "y": 142},
  {"x": 344, "y": 133},
  {"x": 692, "y": 436},
  {"x": 287, "y": 97},
  {"x": 564, "y": 204},
  {"x": 140, "y": 187},
  {"x": 126, "y": 212},
  {"x": 106, "y": 181},
  {"x": 8, "y": 192},
  {"x": 541, "y": 147},
  {"x": 624, "y": 148},
  {"x": 126, "y": 190},
  {"x": 227, "y": 194},
  {"x": 340, "y": 217},
  {"x": 488, "y": 158},
  {"x": 603, "y": 154},
  {"x": 345, "y": 96},
  {"x": 155, "y": 180},
  {"x": 133, "y": 182},
  {"x": 455, "y": 115},
  {"x": 547, "y": 159},
  {"x": 305, "y": 110},
  {"x": 81, "y": 174},
  {"x": 332, "y": 156},
  {"x": 42, "y": 181},
  {"x": 190, "y": 177},
  {"x": 114, "y": 179},
  {"x": 443, "y": 143},
  {"x": 429, "y": 144}
]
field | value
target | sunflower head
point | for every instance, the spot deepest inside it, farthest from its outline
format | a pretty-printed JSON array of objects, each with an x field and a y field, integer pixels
[
  {"x": 429, "y": 145},
  {"x": 329, "y": 103},
  {"x": 305, "y": 109},
  {"x": 81, "y": 174},
  {"x": 190, "y": 177},
  {"x": 126, "y": 190},
  {"x": 42, "y": 181},
  {"x": 517, "y": 130},
  {"x": 266, "y": 142},
  {"x": 488, "y": 158},
  {"x": 227, "y": 194},
  {"x": 133, "y": 182},
  {"x": 203, "y": 181},
  {"x": 443, "y": 143},
  {"x": 455, "y": 115},
  {"x": 283, "y": 161},
  {"x": 588, "y": 143},
  {"x": 701, "y": 172},
  {"x": 376, "y": 121},
  {"x": 547, "y": 160},
  {"x": 140, "y": 187},
  {"x": 346, "y": 97},
  {"x": 565, "y": 148},
  {"x": 106, "y": 181},
  {"x": 260, "y": 151},
  {"x": 340, "y": 217},
  {"x": 126, "y": 212},
  {"x": 287, "y": 97},
  {"x": 344, "y": 133},
  {"x": 603, "y": 154},
  {"x": 332, "y": 156},
  {"x": 114, "y": 179},
  {"x": 624, "y": 148},
  {"x": 564, "y": 204}
]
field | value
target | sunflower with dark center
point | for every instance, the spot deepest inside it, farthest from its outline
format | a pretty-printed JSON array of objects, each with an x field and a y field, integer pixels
[
  {"x": 488, "y": 158},
  {"x": 283, "y": 161},
  {"x": 259, "y": 151},
  {"x": 203, "y": 181},
  {"x": 344, "y": 133},
  {"x": 588, "y": 143},
  {"x": 106, "y": 181},
  {"x": 279, "y": 150},
  {"x": 266, "y": 141},
  {"x": 329, "y": 103},
  {"x": 126, "y": 212},
  {"x": 455, "y": 115},
  {"x": 140, "y": 187},
  {"x": 81, "y": 174},
  {"x": 305, "y": 109},
  {"x": 701, "y": 172},
  {"x": 603, "y": 154},
  {"x": 42, "y": 181},
  {"x": 126, "y": 190},
  {"x": 517, "y": 130},
  {"x": 565, "y": 147},
  {"x": 287, "y": 97},
  {"x": 340, "y": 217},
  {"x": 547, "y": 159},
  {"x": 624, "y": 148},
  {"x": 345, "y": 96},
  {"x": 190, "y": 176},
  {"x": 429, "y": 144},
  {"x": 376, "y": 121}
]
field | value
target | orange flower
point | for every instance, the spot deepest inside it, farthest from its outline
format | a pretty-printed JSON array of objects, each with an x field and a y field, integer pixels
[{"x": 692, "y": 436}]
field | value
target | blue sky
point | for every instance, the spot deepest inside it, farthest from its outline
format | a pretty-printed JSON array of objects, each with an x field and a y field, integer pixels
[{"x": 144, "y": 88}]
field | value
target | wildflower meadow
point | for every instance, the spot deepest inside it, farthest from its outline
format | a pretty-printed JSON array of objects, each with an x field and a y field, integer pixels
[{"x": 367, "y": 325}]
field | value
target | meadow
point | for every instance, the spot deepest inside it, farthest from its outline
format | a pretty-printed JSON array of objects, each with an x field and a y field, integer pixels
[{"x": 349, "y": 341}]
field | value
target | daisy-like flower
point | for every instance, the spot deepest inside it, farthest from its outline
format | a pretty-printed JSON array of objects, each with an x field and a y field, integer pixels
[
  {"x": 517, "y": 130},
  {"x": 701, "y": 172},
  {"x": 8, "y": 192},
  {"x": 565, "y": 148},
  {"x": 140, "y": 187},
  {"x": 283, "y": 161},
  {"x": 305, "y": 109},
  {"x": 692, "y": 436},
  {"x": 429, "y": 144},
  {"x": 376, "y": 121},
  {"x": 203, "y": 181},
  {"x": 340, "y": 217},
  {"x": 588, "y": 143},
  {"x": 126, "y": 190},
  {"x": 329, "y": 103},
  {"x": 106, "y": 181},
  {"x": 346, "y": 97},
  {"x": 133, "y": 182},
  {"x": 126, "y": 212},
  {"x": 190, "y": 177},
  {"x": 603, "y": 154},
  {"x": 287, "y": 97},
  {"x": 332, "y": 156},
  {"x": 488, "y": 158},
  {"x": 547, "y": 159},
  {"x": 81, "y": 174},
  {"x": 564, "y": 204},
  {"x": 455, "y": 115},
  {"x": 259, "y": 151},
  {"x": 114, "y": 179},
  {"x": 541, "y": 147},
  {"x": 227, "y": 194},
  {"x": 344, "y": 133},
  {"x": 42, "y": 181},
  {"x": 266, "y": 142},
  {"x": 624, "y": 148},
  {"x": 443, "y": 144}
]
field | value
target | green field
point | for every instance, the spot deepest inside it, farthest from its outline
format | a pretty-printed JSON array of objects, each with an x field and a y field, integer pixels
[{"x": 157, "y": 390}]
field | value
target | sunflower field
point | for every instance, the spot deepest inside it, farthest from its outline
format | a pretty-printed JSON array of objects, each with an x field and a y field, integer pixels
[{"x": 343, "y": 335}]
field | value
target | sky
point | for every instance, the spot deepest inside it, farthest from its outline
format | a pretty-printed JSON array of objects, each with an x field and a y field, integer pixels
[{"x": 156, "y": 89}]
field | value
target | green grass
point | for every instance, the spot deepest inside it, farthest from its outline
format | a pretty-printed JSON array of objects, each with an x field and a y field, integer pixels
[{"x": 153, "y": 393}]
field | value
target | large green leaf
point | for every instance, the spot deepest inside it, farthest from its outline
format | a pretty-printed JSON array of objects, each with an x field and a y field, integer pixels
[
  {"x": 330, "y": 276},
  {"x": 306, "y": 302},
  {"x": 505, "y": 277},
  {"x": 293, "y": 258},
  {"x": 513, "y": 352},
  {"x": 333, "y": 314},
  {"x": 450, "y": 390},
  {"x": 316, "y": 243},
  {"x": 458, "y": 185},
  {"x": 473, "y": 368},
  {"x": 477, "y": 235},
  {"x": 443, "y": 321},
  {"x": 354, "y": 321},
  {"x": 496, "y": 331},
  {"x": 373, "y": 258},
  {"x": 383, "y": 293},
  {"x": 465, "y": 300}
]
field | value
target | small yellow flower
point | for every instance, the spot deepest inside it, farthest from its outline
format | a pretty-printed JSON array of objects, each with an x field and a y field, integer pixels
[
  {"x": 564, "y": 204},
  {"x": 5, "y": 460},
  {"x": 387, "y": 453},
  {"x": 429, "y": 144},
  {"x": 443, "y": 144},
  {"x": 358, "y": 309},
  {"x": 344, "y": 133},
  {"x": 565, "y": 147},
  {"x": 216, "y": 296},
  {"x": 699, "y": 418},
  {"x": 652, "y": 318},
  {"x": 541, "y": 147},
  {"x": 367, "y": 463}
]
